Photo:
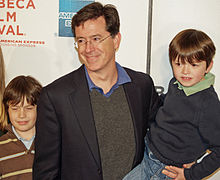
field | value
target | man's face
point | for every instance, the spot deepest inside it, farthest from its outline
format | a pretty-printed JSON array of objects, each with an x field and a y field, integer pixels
[
  {"x": 98, "y": 55},
  {"x": 23, "y": 117}
]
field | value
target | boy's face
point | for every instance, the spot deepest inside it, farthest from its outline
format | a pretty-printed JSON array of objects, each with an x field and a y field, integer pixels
[
  {"x": 190, "y": 74},
  {"x": 23, "y": 117}
]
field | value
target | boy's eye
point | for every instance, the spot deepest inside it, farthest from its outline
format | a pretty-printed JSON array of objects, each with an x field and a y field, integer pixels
[
  {"x": 29, "y": 108},
  {"x": 14, "y": 108},
  {"x": 177, "y": 63}
]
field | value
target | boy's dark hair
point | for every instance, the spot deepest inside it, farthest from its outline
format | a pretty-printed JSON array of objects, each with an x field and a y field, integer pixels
[
  {"x": 94, "y": 11},
  {"x": 190, "y": 45},
  {"x": 19, "y": 88}
]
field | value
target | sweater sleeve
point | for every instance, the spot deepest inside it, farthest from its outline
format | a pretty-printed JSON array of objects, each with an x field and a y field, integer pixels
[{"x": 209, "y": 129}]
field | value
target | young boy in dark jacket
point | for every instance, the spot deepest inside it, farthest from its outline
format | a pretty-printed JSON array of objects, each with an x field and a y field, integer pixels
[
  {"x": 17, "y": 145},
  {"x": 188, "y": 123}
]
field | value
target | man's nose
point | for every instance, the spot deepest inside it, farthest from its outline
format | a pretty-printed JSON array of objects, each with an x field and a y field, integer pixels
[{"x": 89, "y": 46}]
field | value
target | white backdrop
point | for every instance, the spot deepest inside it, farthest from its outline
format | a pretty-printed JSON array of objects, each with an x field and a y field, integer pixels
[{"x": 55, "y": 56}]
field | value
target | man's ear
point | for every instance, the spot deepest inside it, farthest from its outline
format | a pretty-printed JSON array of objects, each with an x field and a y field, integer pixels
[
  {"x": 209, "y": 67},
  {"x": 117, "y": 40}
]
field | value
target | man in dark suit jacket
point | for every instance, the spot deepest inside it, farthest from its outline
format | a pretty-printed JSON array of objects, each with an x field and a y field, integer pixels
[{"x": 91, "y": 122}]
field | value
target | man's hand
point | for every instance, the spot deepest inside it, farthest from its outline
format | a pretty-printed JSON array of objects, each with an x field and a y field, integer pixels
[
  {"x": 174, "y": 172},
  {"x": 188, "y": 165}
]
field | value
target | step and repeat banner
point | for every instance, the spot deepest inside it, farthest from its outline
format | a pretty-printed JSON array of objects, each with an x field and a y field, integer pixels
[{"x": 36, "y": 36}]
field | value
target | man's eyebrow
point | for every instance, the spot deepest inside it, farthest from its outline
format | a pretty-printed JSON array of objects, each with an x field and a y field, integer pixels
[{"x": 89, "y": 36}]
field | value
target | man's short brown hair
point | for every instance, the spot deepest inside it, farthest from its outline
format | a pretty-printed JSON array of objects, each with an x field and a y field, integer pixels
[{"x": 95, "y": 10}]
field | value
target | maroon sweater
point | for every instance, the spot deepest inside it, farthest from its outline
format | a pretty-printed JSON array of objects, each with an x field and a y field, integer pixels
[{"x": 16, "y": 160}]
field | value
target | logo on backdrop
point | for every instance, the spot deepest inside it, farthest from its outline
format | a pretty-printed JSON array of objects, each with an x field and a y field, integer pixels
[
  {"x": 11, "y": 30},
  {"x": 67, "y": 9},
  {"x": 10, "y": 17}
]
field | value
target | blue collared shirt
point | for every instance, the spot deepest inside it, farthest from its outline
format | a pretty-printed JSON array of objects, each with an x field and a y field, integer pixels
[
  {"x": 26, "y": 142},
  {"x": 123, "y": 78}
]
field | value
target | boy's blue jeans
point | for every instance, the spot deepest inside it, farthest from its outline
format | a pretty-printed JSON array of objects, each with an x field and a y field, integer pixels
[{"x": 149, "y": 169}]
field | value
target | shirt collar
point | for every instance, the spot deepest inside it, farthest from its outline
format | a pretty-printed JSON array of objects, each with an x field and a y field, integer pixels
[
  {"x": 123, "y": 78},
  {"x": 202, "y": 85},
  {"x": 26, "y": 142}
]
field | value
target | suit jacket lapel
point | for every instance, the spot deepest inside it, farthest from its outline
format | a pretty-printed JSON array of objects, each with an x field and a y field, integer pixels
[{"x": 81, "y": 105}]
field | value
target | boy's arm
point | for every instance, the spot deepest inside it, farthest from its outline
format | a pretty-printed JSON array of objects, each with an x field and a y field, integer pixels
[
  {"x": 209, "y": 126},
  {"x": 47, "y": 141},
  {"x": 194, "y": 172},
  {"x": 207, "y": 166}
]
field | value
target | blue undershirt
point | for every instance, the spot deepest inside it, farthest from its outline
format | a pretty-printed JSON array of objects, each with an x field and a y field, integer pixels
[
  {"x": 26, "y": 142},
  {"x": 123, "y": 78}
]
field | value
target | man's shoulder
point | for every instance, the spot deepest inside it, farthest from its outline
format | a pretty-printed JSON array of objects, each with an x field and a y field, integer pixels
[
  {"x": 132, "y": 71},
  {"x": 67, "y": 80},
  {"x": 138, "y": 76}
]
